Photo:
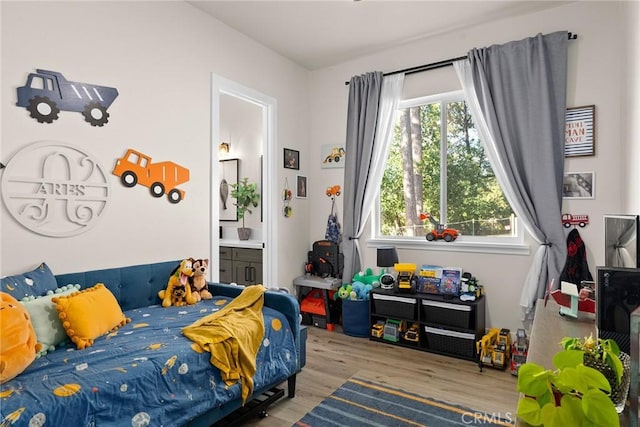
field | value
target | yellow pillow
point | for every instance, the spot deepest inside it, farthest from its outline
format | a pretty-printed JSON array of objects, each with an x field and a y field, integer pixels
[{"x": 88, "y": 314}]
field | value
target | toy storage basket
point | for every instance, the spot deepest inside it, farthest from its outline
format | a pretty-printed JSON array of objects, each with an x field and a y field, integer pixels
[{"x": 355, "y": 318}]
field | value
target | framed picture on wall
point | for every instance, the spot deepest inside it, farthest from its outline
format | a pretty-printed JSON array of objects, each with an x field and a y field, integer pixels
[
  {"x": 228, "y": 175},
  {"x": 580, "y": 125},
  {"x": 301, "y": 187},
  {"x": 332, "y": 156},
  {"x": 578, "y": 185},
  {"x": 291, "y": 159}
]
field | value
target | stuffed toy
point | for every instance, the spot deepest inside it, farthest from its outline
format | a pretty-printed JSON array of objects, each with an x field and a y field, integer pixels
[
  {"x": 18, "y": 346},
  {"x": 368, "y": 278},
  {"x": 198, "y": 281},
  {"x": 178, "y": 291},
  {"x": 343, "y": 292},
  {"x": 360, "y": 290}
]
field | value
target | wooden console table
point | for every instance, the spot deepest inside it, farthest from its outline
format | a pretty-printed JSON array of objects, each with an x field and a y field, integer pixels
[{"x": 548, "y": 329}]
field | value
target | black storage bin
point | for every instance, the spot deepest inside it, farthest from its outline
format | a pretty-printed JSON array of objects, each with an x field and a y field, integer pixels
[
  {"x": 395, "y": 306},
  {"x": 451, "y": 342},
  {"x": 447, "y": 314}
]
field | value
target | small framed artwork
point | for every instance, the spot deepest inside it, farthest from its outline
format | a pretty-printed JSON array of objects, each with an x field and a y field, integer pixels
[
  {"x": 291, "y": 159},
  {"x": 578, "y": 185},
  {"x": 332, "y": 156},
  {"x": 228, "y": 173},
  {"x": 579, "y": 139},
  {"x": 301, "y": 187}
]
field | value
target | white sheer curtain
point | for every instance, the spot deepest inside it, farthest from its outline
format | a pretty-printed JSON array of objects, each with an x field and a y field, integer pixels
[{"x": 387, "y": 106}]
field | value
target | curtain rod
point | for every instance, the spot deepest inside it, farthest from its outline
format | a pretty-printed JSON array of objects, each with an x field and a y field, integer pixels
[{"x": 442, "y": 64}]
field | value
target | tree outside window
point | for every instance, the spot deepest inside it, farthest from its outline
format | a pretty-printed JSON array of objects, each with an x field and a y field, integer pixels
[{"x": 437, "y": 165}]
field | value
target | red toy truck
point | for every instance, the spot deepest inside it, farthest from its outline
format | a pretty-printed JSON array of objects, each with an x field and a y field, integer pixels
[{"x": 568, "y": 220}]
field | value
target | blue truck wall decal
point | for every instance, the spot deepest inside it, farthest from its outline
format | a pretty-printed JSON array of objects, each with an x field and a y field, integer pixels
[{"x": 48, "y": 92}]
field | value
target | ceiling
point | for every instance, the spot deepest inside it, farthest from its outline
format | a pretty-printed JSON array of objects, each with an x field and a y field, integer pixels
[{"x": 318, "y": 34}]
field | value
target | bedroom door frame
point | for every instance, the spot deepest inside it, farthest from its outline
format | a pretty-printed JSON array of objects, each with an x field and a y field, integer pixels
[{"x": 223, "y": 86}]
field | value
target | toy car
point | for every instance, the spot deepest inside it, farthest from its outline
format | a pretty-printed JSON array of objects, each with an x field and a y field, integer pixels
[
  {"x": 519, "y": 351},
  {"x": 406, "y": 280},
  {"x": 439, "y": 230},
  {"x": 393, "y": 330},
  {"x": 333, "y": 191},
  {"x": 413, "y": 333},
  {"x": 494, "y": 349},
  {"x": 378, "y": 329}
]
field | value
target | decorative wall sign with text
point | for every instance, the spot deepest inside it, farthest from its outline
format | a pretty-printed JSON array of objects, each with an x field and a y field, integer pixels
[
  {"x": 580, "y": 126},
  {"x": 55, "y": 189},
  {"x": 46, "y": 93}
]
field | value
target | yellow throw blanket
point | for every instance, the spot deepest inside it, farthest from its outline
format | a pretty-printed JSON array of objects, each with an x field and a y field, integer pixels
[{"x": 233, "y": 336}]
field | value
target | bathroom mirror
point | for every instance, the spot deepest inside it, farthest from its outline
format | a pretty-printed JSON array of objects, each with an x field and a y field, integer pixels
[{"x": 621, "y": 241}]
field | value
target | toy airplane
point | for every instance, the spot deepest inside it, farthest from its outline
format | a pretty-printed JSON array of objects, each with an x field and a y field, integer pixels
[{"x": 570, "y": 301}]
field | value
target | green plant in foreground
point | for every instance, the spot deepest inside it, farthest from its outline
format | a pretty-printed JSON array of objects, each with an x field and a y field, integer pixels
[
  {"x": 246, "y": 195},
  {"x": 572, "y": 395},
  {"x": 603, "y": 350}
]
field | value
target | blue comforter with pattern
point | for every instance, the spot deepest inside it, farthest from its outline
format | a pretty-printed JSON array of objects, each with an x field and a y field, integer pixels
[{"x": 145, "y": 373}]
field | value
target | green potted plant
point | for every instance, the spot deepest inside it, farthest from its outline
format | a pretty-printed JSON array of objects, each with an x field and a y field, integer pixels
[
  {"x": 246, "y": 195},
  {"x": 573, "y": 394},
  {"x": 605, "y": 356}
]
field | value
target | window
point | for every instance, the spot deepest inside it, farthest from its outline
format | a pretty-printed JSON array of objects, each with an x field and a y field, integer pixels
[{"x": 437, "y": 165}]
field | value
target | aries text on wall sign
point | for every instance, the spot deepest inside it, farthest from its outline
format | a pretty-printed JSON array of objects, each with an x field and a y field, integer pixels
[{"x": 55, "y": 189}]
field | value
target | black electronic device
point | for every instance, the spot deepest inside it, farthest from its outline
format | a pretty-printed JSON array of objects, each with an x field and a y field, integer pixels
[
  {"x": 617, "y": 295},
  {"x": 325, "y": 259}
]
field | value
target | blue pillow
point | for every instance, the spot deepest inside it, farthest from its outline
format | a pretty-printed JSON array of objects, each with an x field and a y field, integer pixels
[{"x": 32, "y": 283}]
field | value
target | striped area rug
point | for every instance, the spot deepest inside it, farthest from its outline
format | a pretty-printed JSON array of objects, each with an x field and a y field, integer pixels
[{"x": 364, "y": 403}]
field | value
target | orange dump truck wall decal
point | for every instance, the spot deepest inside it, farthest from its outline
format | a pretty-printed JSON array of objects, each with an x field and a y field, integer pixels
[{"x": 161, "y": 177}]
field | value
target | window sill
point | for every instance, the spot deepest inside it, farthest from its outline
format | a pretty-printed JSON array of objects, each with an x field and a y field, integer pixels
[{"x": 459, "y": 245}]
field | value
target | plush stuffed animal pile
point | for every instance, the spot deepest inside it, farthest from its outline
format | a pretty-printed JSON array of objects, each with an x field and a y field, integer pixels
[
  {"x": 368, "y": 278},
  {"x": 343, "y": 292},
  {"x": 178, "y": 291},
  {"x": 360, "y": 291},
  {"x": 198, "y": 281},
  {"x": 18, "y": 346}
]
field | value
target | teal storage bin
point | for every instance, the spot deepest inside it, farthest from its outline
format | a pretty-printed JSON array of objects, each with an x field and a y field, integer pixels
[{"x": 355, "y": 318}]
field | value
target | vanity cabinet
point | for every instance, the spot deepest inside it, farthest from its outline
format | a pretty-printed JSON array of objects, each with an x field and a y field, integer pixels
[{"x": 240, "y": 265}]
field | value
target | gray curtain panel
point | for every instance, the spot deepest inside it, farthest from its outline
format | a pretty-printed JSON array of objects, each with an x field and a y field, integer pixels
[
  {"x": 521, "y": 89},
  {"x": 362, "y": 117}
]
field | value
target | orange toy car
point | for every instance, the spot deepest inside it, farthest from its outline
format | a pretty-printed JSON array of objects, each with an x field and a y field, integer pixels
[{"x": 333, "y": 191}]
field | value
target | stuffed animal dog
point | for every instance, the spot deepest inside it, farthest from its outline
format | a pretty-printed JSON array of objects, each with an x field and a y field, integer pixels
[
  {"x": 178, "y": 291},
  {"x": 198, "y": 281}
]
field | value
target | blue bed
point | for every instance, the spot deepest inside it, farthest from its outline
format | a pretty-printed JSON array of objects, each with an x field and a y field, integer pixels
[{"x": 147, "y": 372}]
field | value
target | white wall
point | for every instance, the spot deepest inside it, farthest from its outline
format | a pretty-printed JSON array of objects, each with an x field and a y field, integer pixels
[
  {"x": 631, "y": 109},
  {"x": 595, "y": 77},
  {"x": 160, "y": 56}
]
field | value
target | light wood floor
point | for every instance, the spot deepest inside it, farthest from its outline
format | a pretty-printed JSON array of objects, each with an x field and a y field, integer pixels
[{"x": 333, "y": 357}]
